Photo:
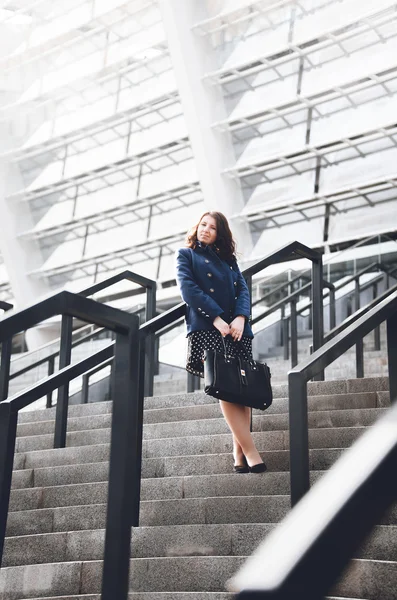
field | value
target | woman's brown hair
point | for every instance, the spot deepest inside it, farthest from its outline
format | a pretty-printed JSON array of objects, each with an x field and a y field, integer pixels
[{"x": 225, "y": 245}]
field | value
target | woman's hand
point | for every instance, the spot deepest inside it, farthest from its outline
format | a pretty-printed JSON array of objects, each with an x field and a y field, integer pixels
[
  {"x": 237, "y": 328},
  {"x": 221, "y": 326}
]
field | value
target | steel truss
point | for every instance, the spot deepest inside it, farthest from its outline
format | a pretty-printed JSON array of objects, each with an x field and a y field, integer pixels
[
  {"x": 117, "y": 259},
  {"x": 311, "y": 101},
  {"x": 79, "y": 184},
  {"x": 69, "y": 142},
  {"x": 368, "y": 21},
  {"x": 362, "y": 192},
  {"x": 86, "y": 87},
  {"x": 185, "y": 195},
  {"x": 263, "y": 164},
  {"x": 83, "y": 31},
  {"x": 247, "y": 11}
]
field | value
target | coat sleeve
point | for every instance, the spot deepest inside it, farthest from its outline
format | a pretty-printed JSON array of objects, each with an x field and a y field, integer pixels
[
  {"x": 191, "y": 292},
  {"x": 243, "y": 304}
]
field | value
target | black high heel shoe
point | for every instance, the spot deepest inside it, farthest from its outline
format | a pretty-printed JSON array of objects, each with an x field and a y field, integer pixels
[
  {"x": 242, "y": 468},
  {"x": 259, "y": 468}
]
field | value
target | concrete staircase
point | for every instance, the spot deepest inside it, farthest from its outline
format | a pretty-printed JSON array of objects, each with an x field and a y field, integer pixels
[{"x": 198, "y": 518}]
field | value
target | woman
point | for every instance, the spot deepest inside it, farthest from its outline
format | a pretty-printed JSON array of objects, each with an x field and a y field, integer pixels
[{"x": 218, "y": 304}]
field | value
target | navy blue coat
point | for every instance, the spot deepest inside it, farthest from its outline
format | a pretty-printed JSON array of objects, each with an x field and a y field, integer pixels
[{"x": 211, "y": 287}]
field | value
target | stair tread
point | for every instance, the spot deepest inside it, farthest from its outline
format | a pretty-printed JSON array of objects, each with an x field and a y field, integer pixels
[
  {"x": 199, "y": 520},
  {"x": 182, "y": 573}
]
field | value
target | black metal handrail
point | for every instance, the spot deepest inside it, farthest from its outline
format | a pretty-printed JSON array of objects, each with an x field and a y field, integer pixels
[
  {"x": 127, "y": 408},
  {"x": 292, "y": 299},
  {"x": 290, "y": 322},
  {"x": 298, "y": 377},
  {"x": 361, "y": 311},
  {"x": 50, "y": 358},
  {"x": 64, "y": 352},
  {"x": 306, "y": 553},
  {"x": 293, "y": 251},
  {"x": 5, "y": 306}
]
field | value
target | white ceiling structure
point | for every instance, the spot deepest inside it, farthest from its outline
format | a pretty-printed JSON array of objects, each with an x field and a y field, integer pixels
[{"x": 91, "y": 108}]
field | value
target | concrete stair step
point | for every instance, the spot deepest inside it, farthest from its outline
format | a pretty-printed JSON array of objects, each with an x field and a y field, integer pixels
[
  {"x": 280, "y": 405},
  {"x": 153, "y": 596},
  {"x": 363, "y": 578},
  {"x": 216, "y": 424},
  {"x": 74, "y": 411},
  {"x": 172, "y": 466},
  {"x": 373, "y": 579},
  {"x": 152, "y": 467},
  {"x": 367, "y": 384},
  {"x": 189, "y": 547},
  {"x": 164, "y": 596},
  {"x": 160, "y": 488},
  {"x": 188, "y": 511},
  {"x": 198, "y": 444},
  {"x": 205, "y": 411},
  {"x": 174, "y": 540}
]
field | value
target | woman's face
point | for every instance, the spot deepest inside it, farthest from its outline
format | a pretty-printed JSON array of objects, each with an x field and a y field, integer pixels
[{"x": 206, "y": 231}]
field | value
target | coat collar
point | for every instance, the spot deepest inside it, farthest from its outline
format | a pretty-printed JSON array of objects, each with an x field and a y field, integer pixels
[{"x": 206, "y": 247}]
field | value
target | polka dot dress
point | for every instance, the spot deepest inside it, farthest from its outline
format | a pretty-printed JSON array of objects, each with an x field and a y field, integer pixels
[{"x": 200, "y": 341}]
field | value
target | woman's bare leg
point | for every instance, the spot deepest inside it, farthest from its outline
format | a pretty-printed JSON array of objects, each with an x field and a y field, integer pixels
[
  {"x": 238, "y": 454},
  {"x": 237, "y": 418}
]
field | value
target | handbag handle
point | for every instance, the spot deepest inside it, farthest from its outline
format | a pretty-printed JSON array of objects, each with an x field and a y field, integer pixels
[{"x": 247, "y": 358}]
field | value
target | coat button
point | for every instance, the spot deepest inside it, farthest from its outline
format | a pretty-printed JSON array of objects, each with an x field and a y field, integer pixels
[
  {"x": 212, "y": 290},
  {"x": 209, "y": 274},
  {"x": 231, "y": 268},
  {"x": 235, "y": 297},
  {"x": 206, "y": 260},
  {"x": 235, "y": 283}
]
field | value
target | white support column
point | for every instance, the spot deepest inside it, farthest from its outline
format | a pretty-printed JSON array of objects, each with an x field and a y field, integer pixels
[
  {"x": 20, "y": 255},
  {"x": 203, "y": 104}
]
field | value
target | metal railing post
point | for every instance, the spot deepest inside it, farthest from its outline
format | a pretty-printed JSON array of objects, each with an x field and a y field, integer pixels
[
  {"x": 286, "y": 337},
  {"x": 282, "y": 325},
  {"x": 299, "y": 437},
  {"x": 360, "y": 359},
  {"x": 248, "y": 279},
  {"x": 51, "y": 369},
  {"x": 122, "y": 468},
  {"x": 294, "y": 334},
  {"x": 357, "y": 294},
  {"x": 150, "y": 313},
  {"x": 8, "y": 433},
  {"x": 156, "y": 355},
  {"x": 5, "y": 365},
  {"x": 360, "y": 343},
  {"x": 317, "y": 309},
  {"x": 190, "y": 383},
  {"x": 136, "y": 478},
  {"x": 61, "y": 417},
  {"x": 391, "y": 329},
  {"x": 111, "y": 381},
  {"x": 332, "y": 309},
  {"x": 377, "y": 329},
  {"x": 85, "y": 386},
  {"x": 310, "y": 319}
]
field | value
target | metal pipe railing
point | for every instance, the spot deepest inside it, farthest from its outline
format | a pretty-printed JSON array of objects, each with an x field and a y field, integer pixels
[
  {"x": 296, "y": 250},
  {"x": 310, "y": 548},
  {"x": 66, "y": 343},
  {"x": 123, "y": 469}
]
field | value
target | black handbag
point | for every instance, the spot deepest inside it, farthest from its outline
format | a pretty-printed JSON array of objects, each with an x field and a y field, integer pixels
[{"x": 238, "y": 380}]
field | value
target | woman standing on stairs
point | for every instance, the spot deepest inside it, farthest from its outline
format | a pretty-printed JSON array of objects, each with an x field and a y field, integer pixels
[{"x": 218, "y": 304}]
